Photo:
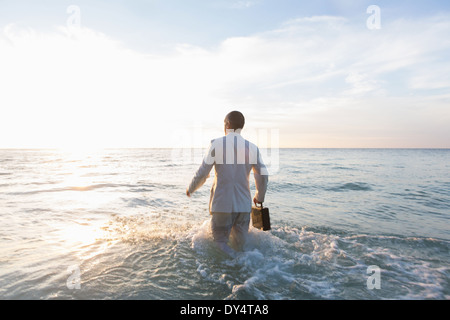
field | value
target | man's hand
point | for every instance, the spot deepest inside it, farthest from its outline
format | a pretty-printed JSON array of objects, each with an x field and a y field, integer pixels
[
  {"x": 256, "y": 202},
  {"x": 188, "y": 193}
]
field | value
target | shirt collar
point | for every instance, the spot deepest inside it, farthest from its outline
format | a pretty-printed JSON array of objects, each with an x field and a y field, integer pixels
[{"x": 231, "y": 131}]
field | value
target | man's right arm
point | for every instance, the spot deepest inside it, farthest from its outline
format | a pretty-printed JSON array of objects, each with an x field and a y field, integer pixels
[{"x": 261, "y": 179}]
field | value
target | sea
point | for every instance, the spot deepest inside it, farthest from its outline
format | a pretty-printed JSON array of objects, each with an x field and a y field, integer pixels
[{"x": 364, "y": 224}]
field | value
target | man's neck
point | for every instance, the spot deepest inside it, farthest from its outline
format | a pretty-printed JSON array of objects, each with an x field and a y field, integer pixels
[{"x": 237, "y": 131}]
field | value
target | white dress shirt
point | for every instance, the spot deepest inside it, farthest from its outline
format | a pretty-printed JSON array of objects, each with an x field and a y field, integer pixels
[{"x": 233, "y": 158}]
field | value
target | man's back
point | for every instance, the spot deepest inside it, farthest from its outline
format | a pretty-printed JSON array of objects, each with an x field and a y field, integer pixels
[{"x": 233, "y": 159}]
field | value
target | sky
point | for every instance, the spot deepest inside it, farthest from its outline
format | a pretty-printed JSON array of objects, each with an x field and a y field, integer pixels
[{"x": 153, "y": 73}]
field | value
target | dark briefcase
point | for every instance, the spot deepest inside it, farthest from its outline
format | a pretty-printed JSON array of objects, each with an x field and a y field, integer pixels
[{"x": 261, "y": 218}]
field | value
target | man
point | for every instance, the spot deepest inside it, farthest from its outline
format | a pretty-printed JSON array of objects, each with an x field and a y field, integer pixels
[{"x": 230, "y": 203}]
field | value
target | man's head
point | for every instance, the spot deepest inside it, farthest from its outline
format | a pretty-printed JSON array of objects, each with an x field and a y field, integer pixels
[{"x": 234, "y": 120}]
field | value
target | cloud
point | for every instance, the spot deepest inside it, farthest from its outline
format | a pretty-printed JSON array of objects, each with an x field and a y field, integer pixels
[
  {"x": 243, "y": 4},
  {"x": 63, "y": 89},
  {"x": 321, "y": 80},
  {"x": 316, "y": 69}
]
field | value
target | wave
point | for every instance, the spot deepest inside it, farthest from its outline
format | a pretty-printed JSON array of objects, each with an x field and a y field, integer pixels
[
  {"x": 276, "y": 186},
  {"x": 70, "y": 188},
  {"x": 292, "y": 263},
  {"x": 351, "y": 186},
  {"x": 132, "y": 188},
  {"x": 342, "y": 168},
  {"x": 166, "y": 254}
]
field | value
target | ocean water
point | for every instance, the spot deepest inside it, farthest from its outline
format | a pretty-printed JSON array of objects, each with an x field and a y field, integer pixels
[{"x": 116, "y": 224}]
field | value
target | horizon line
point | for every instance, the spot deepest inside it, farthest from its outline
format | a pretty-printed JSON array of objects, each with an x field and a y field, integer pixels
[{"x": 115, "y": 148}]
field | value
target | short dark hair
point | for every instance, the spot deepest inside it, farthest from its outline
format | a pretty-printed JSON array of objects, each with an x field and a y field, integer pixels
[{"x": 235, "y": 119}]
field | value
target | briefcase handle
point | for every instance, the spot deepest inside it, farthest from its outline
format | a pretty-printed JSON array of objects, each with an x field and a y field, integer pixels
[{"x": 261, "y": 205}]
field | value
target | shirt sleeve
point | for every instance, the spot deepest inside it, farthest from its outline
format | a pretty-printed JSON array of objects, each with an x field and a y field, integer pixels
[
  {"x": 261, "y": 175},
  {"x": 203, "y": 171}
]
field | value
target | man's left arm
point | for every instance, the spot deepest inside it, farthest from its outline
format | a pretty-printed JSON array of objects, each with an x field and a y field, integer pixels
[{"x": 202, "y": 173}]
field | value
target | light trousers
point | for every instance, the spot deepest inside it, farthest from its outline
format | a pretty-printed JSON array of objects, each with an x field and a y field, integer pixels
[{"x": 224, "y": 225}]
